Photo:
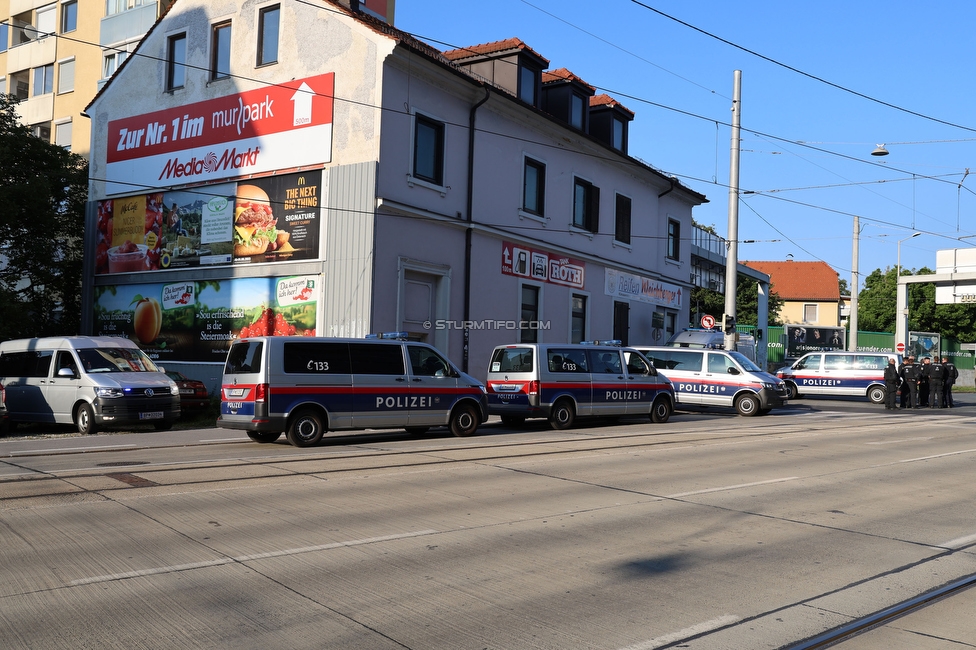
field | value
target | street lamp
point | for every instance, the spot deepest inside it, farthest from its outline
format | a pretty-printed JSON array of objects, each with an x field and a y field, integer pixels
[{"x": 898, "y": 271}]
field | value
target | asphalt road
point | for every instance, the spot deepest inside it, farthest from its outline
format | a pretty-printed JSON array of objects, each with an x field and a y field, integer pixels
[{"x": 709, "y": 532}]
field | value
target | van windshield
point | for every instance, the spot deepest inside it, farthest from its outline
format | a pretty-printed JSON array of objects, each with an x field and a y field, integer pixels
[
  {"x": 745, "y": 362},
  {"x": 115, "y": 360}
]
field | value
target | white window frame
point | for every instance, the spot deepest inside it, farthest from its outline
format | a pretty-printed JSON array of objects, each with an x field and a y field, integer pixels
[
  {"x": 413, "y": 180},
  {"x": 522, "y": 212},
  {"x": 539, "y": 310},
  {"x": 54, "y": 131},
  {"x": 816, "y": 312},
  {"x": 61, "y": 25},
  {"x": 587, "y": 325},
  {"x": 59, "y": 90}
]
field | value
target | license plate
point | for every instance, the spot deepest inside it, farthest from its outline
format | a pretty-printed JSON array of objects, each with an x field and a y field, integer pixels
[
  {"x": 507, "y": 388},
  {"x": 186, "y": 391},
  {"x": 235, "y": 392},
  {"x": 151, "y": 415}
]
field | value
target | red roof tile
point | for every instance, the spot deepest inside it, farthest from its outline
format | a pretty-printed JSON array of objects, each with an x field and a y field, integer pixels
[
  {"x": 801, "y": 280},
  {"x": 492, "y": 48},
  {"x": 607, "y": 100},
  {"x": 562, "y": 74}
]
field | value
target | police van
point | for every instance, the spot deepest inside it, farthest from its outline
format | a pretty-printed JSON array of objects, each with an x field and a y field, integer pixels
[
  {"x": 717, "y": 378},
  {"x": 860, "y": 374},
  {"x": 87, "y": 381},
  {"x": 305, "y": 386},
  {"x": 564, "y": 381}
]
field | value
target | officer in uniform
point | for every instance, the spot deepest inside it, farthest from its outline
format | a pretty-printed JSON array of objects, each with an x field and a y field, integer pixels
[
  {"x": 952, "y": 374},
  {"x": 891, "y": 380},
  {"x": 935, "y": 372},
  {"x": 923, "y": 383},
  {"x": 910, "y": 372}
]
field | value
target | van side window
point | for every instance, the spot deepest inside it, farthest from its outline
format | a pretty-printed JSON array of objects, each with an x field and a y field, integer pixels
[
  {"x": 604, "y": 361},
  {"x": 244, "y": 356},
  {"x": 314, "y": 357},
  {"x": 636, "y": 365},
  {"x": 376, "y": 359},
  {"x": 567, "y": 360},
  {"x": 33, "y": 363},
  {"x": 870, "y": 362},
  {"x": 812, "y": 362},
  {"x": 681, "y": 360},
  {"x": 512, "y": 360},
  {"x": 719, "y": 363},
  {"x": 424, "y": 362},
  {"x": 839, "y": 362},
  {"x": 65, "y": 360}
]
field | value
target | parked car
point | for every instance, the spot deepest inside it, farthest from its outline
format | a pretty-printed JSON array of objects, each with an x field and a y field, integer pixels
[{"x": 193, "y": 392}]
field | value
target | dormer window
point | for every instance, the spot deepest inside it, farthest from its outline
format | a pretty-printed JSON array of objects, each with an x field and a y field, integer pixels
[
  {"x": 528, "y": 85},
  {"x": 577, "y": 115},
  {"x": 618, "y": 134}
]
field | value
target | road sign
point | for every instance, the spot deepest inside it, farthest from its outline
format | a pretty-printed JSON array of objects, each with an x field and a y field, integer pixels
[
  {"x": 900, "y": 348},
  {"x": 708, "y": 322}
]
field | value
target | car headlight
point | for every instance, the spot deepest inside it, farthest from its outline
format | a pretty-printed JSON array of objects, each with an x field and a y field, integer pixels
[
  {"x": 768, "y": 385},
  {"x": 109, "y": 392}
]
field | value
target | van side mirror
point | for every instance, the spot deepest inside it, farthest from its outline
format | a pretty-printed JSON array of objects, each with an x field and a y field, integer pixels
[
  {"x": 733, "y": 371},
  {"x": 66, "y": 372}
]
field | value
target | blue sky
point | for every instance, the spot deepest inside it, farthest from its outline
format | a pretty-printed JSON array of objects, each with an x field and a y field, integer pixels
[{"x": 905, "y": 72}]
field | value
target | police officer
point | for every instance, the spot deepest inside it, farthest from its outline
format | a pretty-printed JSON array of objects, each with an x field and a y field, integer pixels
[
  {"x": 952, "y": 374},
  {"x": 935, "y": 372},
  {"x": 891, "y": 380},
  {"x": 910, "y": 372},
  {"x": 923, "y": 383}
]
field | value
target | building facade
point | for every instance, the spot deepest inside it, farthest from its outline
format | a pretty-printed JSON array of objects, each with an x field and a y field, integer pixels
[
  {"x": 350, "y": 179},
  {"x": 810, "y": 291},
  {"x": 54, "y": 56}
]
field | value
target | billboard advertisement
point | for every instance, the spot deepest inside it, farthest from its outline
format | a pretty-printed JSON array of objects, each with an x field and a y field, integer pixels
[
  {"x": 269, "y": 219},
  {"x": 198, "y": 320},
  {"x": 924, "y": 344},
  {"x": 801, "y": 339},
  {"x": 282, "y": 126},
  {"x": 542, "y": 266}
]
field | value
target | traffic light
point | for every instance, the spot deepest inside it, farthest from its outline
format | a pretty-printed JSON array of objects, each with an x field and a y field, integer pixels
[{"x": 728, "y": 324}]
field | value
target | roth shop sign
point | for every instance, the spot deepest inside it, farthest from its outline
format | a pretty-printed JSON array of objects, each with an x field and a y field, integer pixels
[
  {"x": 273, "y": 127},
  {"x": 542, "y": 266}
]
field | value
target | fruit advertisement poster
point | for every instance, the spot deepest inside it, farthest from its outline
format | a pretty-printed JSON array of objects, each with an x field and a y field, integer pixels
[
  {"x": 272, "y": 219},
  {"x": 197, "y": 321}
]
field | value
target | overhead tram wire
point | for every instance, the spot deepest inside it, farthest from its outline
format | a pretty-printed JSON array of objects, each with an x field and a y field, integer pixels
[{"x": 802, "y": 73}]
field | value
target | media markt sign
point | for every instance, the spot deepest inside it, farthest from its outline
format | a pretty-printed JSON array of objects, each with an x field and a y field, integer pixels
[{"x": 271, "y": 127}]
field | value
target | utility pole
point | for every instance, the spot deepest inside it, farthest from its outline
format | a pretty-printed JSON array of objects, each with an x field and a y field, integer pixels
[
  {"x": 732, "y": 258},
  {"x": 852, "y": 321}
]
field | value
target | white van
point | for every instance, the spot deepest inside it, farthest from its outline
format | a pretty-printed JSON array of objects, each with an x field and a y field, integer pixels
[
  {"x": 563, "y": 381},
  {"x": 860, "y": 374},
  {"x": 88, "y": 381},
  {"x": 305, "y": 386},
  {"x": 713, "y": 340},
  {"x": 717, "y": 378}
]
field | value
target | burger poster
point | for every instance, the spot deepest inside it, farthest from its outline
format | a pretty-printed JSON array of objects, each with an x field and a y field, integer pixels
[
  {"x": 197, "y": 321},
  {"x": 262, "y": 220}
]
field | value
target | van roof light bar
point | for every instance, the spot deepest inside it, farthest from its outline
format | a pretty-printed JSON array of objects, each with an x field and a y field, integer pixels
[{"x": 398, "y": 336}]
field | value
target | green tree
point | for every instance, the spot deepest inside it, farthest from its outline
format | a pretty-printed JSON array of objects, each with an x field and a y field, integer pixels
[
  {"x": 707, "y": 301},
  {"x": 877, "y": 302},
  {"x": 43, "y": 189}
]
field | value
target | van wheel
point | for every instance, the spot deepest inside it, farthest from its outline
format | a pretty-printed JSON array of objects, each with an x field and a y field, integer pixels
[
  {"x": 513, "y": 421},
  {"x": 661, "y": 410},
  {"x": 416, "y": 431},
  {"x": 163, "y": 426},
  {"x": 306, "y": 429},
  {"x": 85, "y": 419},
  {"x": 265, "y": 437},
  {"x": 562, "y": 415},
  {"x": 794, "y": 392},
  {"x": 464, "y": 421},
  {"x": 747, "y": 405},
  {"x": 876, "y": 394}
]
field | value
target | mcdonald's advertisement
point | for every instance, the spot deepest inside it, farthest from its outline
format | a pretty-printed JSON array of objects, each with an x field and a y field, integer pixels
[
  {"x": 198, "y": 320},
  {"x": 272, "y": 219}
]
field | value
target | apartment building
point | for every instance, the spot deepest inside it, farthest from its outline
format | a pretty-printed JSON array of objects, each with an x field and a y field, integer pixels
[
  {"x": 54, "y": 56},
  {"x": 349, "y": 178}
]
